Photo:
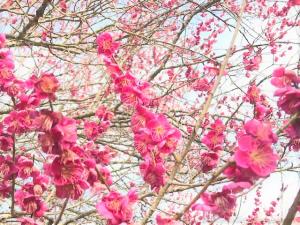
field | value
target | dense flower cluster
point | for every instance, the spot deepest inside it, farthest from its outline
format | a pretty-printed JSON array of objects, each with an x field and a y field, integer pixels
[
  {"x": 261, "y": 107},
  {"x": 71, "y": 168},
  {"x": 92, "y": 129},
  {"x": 254, "y": 158},
  {"x": 252, "y": 63},
  {"x": 213, "y": 140},
  {"x": 215, "y": 137},
  {"x": 288, "y": 92},
  {"x": 219, "y": 203},
  {"x": 154, "y": 136}
]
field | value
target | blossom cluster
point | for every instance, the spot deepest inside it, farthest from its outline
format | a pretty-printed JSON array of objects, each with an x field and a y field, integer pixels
[
  {"x": 252, "y": 63},
  {"x": 70, "y": 167},
  {"x": 254, "y": 158},
  {"x": 213, "y": 140},
  {"x": 261, "y": 107},
  {"x": 154, "y": 136},
  {"x": 92, "y": 129},
  {"x": 288, "y": 91},
  {"x": 287, "y": 84}
]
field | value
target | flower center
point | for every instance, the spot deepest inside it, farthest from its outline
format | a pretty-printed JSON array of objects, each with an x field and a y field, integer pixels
[
  {"x": 106, "y": 44},
  {"x": 37, "y": 189},
  {"x": 31, "y": 207},
  {"x": 114, "y": 205},
  {"x": 159, "y": 130},
  {"x": 257, "y": 157},
  {"x": 47, "y": 85},
  {"x": 27, "y": 171}
]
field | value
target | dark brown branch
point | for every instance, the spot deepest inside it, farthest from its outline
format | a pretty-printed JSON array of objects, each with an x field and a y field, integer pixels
[
  {"x": 292, "y": 211},
  {"x": 62, "y": 211},
  {"x": 39, "y": 13}
]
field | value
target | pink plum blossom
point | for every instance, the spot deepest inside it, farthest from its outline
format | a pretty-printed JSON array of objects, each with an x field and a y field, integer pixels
[
  {"x": 289, "y": 99},
  {"x": 106, "y": 45},
  {"x": 153, "y": 173},
  {"x": 282, "y": 78},
  {"x": 221, "y": 204},
  {"x": 117, "y": 208},
  {"x": 260, "y": 159}
]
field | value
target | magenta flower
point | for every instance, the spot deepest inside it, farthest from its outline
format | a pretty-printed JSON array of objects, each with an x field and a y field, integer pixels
[
  {"x": 72, "y": 190},
  {"x": 153, "y": 172},
  {"x": 236, "y": 187},
  {"x": 159, "y": 128},
  {"x": 260, "y": 159},
  {"x": 139, "y": 118},
  {"x": 293, "y": 132},
  {"x": 7, "y": 168},
  {"x": 218, "y": 126},
  {"x": 64, "y": 172},
  {"x": 143, "y": 143},
  {"x": 106, "y": 45},
  {"x": 18, "y": 122},
  {"x": 66, "y": 130},
  {"x": 207, "y": 161},
  {"x": 289, "y": 99},
  {"x": 30, "y": 203},
  {"x": 221, "y": 204},
  {"x": 103, "y": 156},
  {"x": 215, "y": 137},
  {"x": 38, "y": 186},
  {"x": 253, "y": 94},
  {"x": 104, "y": 114},
  {"x": 44, "y": 121},
  {"x": 284, "y": 78},
  {"x": 133, "y": 96},
  {"x": 261, "y": 111},
  {"x": 26, "y": 168},
  {"x": 126, "y": 80},
  {"x": 294, "y": 2},
  {"x": 202, "y": 84},
  {"x": 239, "y": 174},
  {"x": 6, "y": 143},
  {"x": 6, "y": 61},
  {"x": 5, "y": 189},
  {"x": 213, "y": 140},
  {"x": 251, "y": 64},
  {"x": 91, "y": 129},
  {"x": 257, "y": 131},
  {"x": 48, "y": 144},
  {"x": 117, "y": 208},
  {"x": 46, "y": 85},
  {"x": 6, "y": 76},
  {"x": 105, "y": 175},
  {"x": 171, "y": 141},
  {"x": 112, "y": 67}
]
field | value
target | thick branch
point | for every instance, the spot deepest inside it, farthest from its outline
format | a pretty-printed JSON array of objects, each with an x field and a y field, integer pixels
[
  {"x": 39, "y": 13},
  {"x": 62, "y": 211},
  {"x": 292, "y": 211}
]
